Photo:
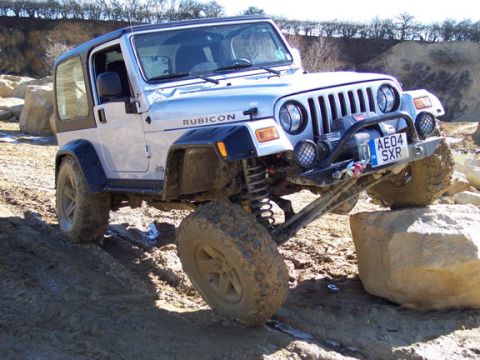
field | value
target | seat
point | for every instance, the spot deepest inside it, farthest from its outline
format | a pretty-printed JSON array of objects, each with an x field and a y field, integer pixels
[
  {"x": 120, "y": 68},
  {"x": 192, "y": 58}
]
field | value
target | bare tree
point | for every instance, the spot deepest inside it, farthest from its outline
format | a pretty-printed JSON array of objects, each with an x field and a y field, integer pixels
[
  {"x": 318, "y": 54},
  {"x": 252, "y": 10},
  {"x": 213, "y": 9},
  {"x": 53, "y": 49},
  {"x": 404, "y": 22},
  {"x": 448, "y": 29}
]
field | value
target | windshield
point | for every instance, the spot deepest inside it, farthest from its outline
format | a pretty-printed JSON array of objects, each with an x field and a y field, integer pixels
[{"x": 209, "y": 49}]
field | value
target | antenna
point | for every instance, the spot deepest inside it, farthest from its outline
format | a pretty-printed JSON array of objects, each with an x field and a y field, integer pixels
[{"x": 130, "y": 20}]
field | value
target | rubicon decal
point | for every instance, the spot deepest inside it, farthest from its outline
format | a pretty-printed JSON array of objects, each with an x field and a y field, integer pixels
[{"x": 208, "y": 119}]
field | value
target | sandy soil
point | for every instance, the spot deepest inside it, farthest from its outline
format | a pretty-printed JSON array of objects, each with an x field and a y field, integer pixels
[{"x": 127, "y": 296}]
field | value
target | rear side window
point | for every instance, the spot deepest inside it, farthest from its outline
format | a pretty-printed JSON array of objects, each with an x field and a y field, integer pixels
[{"x": 70, "y": 90}]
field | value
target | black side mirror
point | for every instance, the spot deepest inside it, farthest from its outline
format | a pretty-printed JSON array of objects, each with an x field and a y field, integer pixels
[{"x": 109, "y": 85}]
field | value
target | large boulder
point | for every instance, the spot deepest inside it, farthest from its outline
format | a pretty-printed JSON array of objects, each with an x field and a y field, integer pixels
[
  {"x": 6, "y": 87},
  {"x": 11, "y": 108},
  {"x": 53, "y": 124},
  {"x": 472, "y": 162},
  {"x": 420, "y": 257},
  {"x": 458, "y": 183},
  {"x": 467, "y": 197},
  {"x": 21, "y": 88},
  {"x": 8, "y": 83},
  {"x": 38, "y": 108},
  {"x": 472, "y": 173}
]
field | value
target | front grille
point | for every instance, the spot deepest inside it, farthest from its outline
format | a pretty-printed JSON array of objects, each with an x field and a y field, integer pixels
[{"x": 324, "y": 109}]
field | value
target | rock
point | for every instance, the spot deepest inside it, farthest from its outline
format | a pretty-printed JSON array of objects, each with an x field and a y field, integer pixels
[
  {"x": 6, "y": 87},
  {"x": 5, "y": 114},
  {"x": 9, "y": 103},
  {"x": 472, "y": 162},
  {"x": 472, "y": 173},
  {"x": 53, "y": 124},
  {"x": 21, "y": 88},
  {"x": 445, "y": 200},
  {"x": 8, "y": 83},
  {"x": 467, "y": 197},
  {"x": 420, "y": 257},
  {"x": 38, "y": 108},
  {"x": 458, "y": 183},
  {"x": 11, "y": 106},
  {"x": 476, "y": 135}
]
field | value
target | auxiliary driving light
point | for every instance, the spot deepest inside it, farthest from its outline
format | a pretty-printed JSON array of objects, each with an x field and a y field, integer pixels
[
  {"x": 306, "y": 153},
  {"x": 425, "y": 124}
]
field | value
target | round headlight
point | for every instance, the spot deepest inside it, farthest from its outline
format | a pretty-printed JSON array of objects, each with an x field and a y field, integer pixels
[
  {"x": 292, "y": 118},
  {"x": 387, "y": 98}
]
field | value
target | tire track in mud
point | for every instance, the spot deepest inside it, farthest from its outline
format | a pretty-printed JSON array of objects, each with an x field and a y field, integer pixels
[{"x": 70, "y": 301}]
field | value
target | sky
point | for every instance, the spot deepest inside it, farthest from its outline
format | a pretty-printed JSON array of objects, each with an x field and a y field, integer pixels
[{"x": 425, "y": 11}]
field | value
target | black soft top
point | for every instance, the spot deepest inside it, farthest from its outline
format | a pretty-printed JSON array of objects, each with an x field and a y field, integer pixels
[{"x": 84, "y": 49}]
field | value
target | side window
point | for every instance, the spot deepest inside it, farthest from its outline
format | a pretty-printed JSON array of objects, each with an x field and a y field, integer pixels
[
  {"x": 111, "y": 60},
  {"x": 70, "y": 90}
]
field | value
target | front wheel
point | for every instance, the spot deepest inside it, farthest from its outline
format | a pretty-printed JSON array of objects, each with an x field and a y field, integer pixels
[
  {"x": 82, "y": 215},
  {"x": 419, "y": 184},
  {"x": 233, "y": 262}
]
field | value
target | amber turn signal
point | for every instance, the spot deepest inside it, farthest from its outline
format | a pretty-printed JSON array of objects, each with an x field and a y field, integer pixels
[
  {"x": 266, "y": 134},
  {"x": 221, "y": 147},
  {"x": 422, "y": 102}
]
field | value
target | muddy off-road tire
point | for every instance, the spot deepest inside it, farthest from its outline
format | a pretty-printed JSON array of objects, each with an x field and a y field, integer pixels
[
  {"x": 233, "y": 262},
  {"x": 419, "y": 184},
  {"x": 82, "y": 215}
]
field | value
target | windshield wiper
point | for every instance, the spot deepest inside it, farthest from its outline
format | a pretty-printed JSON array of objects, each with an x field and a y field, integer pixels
[
  {"x": 184, "y": 74},
  {"x": 243, "y": 63}
]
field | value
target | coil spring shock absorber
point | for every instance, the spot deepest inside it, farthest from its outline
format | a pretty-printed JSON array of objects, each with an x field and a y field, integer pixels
[{"x": 258, "y": 194}]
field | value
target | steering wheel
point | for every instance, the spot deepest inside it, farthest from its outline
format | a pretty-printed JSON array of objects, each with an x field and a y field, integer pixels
[{"x": 241, "y": 61}]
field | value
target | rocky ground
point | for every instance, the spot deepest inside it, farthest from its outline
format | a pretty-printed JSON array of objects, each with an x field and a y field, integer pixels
[{"x": 127, "y": 297}]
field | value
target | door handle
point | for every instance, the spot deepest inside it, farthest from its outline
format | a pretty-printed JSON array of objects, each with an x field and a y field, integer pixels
[{"x": 101, "y": 116}]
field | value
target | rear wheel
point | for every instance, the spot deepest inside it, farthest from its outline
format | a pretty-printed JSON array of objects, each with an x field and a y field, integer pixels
[
  {"x": 82, "y": 215},
  {"x": 233, "y": 262},
  {"x": 419, "y": 184}
]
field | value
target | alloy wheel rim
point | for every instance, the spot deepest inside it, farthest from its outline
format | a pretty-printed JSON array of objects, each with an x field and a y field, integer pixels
[
  {"x": 69, "y": 200},
  {"x": 220, "y": 275}
]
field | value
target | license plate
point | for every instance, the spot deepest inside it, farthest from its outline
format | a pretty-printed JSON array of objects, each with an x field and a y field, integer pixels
[{"x": 388, "y": 149}]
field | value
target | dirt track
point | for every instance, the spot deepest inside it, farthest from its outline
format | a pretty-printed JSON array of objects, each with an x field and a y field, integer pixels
[{"x": 128, "y": 298}]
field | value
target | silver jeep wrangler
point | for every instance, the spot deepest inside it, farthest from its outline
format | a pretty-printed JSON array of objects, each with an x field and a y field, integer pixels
[{"x": 218, "y": 116}]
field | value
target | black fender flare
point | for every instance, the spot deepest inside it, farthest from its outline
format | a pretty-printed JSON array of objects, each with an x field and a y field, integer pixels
[
  {"x": 194, "y": 163},
  {"x": 87, "y": 158},
  {"x": 237, "y": 140}
]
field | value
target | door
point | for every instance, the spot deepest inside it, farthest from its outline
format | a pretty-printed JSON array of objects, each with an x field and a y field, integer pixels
[{"x": 122, "y": 138}]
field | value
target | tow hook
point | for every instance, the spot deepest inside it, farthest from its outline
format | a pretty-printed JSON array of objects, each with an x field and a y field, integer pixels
[{"x": 353, "y": 169}]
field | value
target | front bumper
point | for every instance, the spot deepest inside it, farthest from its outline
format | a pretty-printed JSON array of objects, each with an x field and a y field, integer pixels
[{"x": 328, "y": 171}]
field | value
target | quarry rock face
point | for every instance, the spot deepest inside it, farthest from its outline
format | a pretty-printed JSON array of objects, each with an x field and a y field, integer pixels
[
  {"x": 453, "y": 63},
  {"x": 426, "y": 258},
  {"x": 38, "y": 108}
]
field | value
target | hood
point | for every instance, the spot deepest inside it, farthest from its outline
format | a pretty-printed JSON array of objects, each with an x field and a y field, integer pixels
[{"x": 204, "y": 103}]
